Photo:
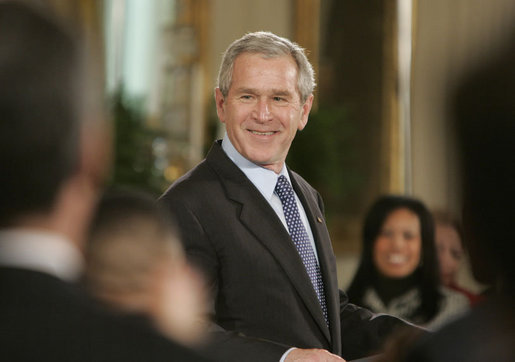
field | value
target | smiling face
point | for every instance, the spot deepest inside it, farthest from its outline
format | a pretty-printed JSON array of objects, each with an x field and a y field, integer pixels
[
  {"x": 397, "y": 249},
  {"x": 263, "y": 110}
]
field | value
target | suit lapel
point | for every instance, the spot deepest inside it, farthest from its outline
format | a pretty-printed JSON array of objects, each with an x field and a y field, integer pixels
[{"x": 255, "y": 215}]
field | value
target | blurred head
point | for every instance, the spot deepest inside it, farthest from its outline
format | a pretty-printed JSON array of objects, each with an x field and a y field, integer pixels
[
  {"x": 448, "y": 238},
  {"x": 42, "y": 143},
  {"x": 39, "y": 93},
  {"x": 135, "y": 264},
  {"x": 267, "y": 45},
  {"x": 264, "y": 97},
  {"x": 484, "y": 110}
]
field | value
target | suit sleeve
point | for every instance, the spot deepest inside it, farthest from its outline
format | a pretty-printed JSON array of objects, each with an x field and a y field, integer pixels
[
  {"x": 223, "y": 345},
  {"x": 364, "y": 332}
]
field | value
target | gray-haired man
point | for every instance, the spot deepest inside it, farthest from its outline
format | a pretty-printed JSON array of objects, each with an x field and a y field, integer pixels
[{"x": 257, "y": 229}]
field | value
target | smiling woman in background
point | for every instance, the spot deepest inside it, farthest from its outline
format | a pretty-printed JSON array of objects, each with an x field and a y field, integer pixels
[{"x": 398, "y": 272}]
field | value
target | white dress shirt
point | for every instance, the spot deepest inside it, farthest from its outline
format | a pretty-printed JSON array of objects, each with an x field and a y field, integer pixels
[{"x": 40, "y": 250}]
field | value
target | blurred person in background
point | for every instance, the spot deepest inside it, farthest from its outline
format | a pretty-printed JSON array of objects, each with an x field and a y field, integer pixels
[
  {"x": 451, "y": 252},
  {"x": 53, "y": 158},
  {"x": 398, "y": 271},
  {"x": 135, "y": 265},
  {"x": 484, "y": 113}
]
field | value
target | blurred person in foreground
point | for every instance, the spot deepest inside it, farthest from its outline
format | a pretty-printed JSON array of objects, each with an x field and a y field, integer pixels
[
  {"x": 135, "y": 265},
  {"x": 52, "y": 162},
  {"x": 398, "y": 271},
  {"x": 257, "y": 229},
  {"x": 484, "y": 111},
  {"x": 451, "y": 252}
]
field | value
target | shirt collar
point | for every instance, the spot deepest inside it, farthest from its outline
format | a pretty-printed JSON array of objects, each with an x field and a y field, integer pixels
[
  {"x": 263, "y": 178},
  {"x": 41, "y": 251}
]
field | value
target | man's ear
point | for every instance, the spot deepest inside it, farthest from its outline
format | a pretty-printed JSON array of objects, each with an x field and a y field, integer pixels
[
  {"x": 220, "y": 104},
  {"x": 306, "y": 108}
]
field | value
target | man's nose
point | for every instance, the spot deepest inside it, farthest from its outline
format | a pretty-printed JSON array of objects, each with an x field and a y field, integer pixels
[{"x": 262, "y": 111}]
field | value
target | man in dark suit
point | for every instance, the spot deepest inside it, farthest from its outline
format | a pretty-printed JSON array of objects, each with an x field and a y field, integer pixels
[
  {"x": 51, "y": 165},
  {"x": 265, "y": 249}
]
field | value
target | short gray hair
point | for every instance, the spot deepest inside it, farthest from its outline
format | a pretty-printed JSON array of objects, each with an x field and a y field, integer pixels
[{"x": 270, "y": 46}]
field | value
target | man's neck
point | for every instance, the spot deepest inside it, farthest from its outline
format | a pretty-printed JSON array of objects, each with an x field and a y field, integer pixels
[{"x": 242, "y": 162}]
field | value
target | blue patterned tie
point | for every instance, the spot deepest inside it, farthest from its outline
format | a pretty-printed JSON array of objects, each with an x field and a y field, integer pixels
[{"x": 300, "y": 238}]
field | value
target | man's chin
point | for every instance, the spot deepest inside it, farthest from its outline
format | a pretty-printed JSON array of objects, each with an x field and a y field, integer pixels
[{"x": 266, "y": 163}]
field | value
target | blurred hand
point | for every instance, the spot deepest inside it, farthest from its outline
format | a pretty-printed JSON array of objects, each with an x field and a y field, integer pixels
[{"x": 312, "y": 355}]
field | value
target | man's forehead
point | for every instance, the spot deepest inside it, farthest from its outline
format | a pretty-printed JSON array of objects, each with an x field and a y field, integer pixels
[
  {"x": 265, "y": 56},
  {"x": 243, "y": 57},
  {"x": 253, "y": 90}
]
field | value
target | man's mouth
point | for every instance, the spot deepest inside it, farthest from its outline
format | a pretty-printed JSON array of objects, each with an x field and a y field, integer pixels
[{"x": 258, "y": 133}]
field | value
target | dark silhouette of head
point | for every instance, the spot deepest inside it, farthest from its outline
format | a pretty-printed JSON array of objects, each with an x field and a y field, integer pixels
[
  {"x": 39, "y": 110},
  {"x": 484, "y": 111}
]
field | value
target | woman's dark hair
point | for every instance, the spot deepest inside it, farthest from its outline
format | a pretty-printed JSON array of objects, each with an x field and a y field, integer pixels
[{"x": 426, "y": 275}]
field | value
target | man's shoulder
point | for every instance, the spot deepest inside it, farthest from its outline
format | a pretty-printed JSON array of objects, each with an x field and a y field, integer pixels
[
  {"x": 209, "y": 175},
  {"x": 197, "y": 174},
  {"x": 197, "y": 180},
  {"x": 471, "y": 336},
  {"x": 65, "y": 324},
  {"x": 141, "y": 341}
]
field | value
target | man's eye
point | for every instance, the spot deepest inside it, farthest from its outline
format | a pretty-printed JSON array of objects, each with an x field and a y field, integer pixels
[
  {"x": 279, "y": 99},
  {"x": 246, "y": 97}
]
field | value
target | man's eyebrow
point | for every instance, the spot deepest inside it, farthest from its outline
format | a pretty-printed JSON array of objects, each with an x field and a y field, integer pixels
[
  {"x": 281, "y": 92},
  {"x": 246, "y": 90},
  {"x": 274, "y": 92}
]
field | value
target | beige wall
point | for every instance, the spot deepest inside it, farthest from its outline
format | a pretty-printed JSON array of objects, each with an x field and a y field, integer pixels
[
  {"x": 450, "y": 36},
  {"x": 233, "y": 18}
]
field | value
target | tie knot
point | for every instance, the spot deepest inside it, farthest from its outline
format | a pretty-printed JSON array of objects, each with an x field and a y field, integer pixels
[{"x": 283, "y": 188}]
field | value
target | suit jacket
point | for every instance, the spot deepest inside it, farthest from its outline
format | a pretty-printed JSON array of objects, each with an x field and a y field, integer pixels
[
  {"x": 43, "y": 318},
  {"x": 262, "y": 295}
]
